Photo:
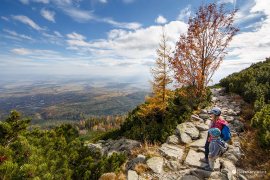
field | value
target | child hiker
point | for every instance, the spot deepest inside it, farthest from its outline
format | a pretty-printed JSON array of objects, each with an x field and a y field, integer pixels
[
  {"x": 216, "y": 148},
  {"x": 222, "y": 125}
]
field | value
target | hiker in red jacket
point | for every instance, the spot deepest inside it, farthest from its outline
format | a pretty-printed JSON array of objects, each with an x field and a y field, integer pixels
[{"x": 216, "y": 122}]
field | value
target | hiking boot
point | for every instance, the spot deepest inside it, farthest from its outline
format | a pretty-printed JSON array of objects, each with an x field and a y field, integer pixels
[{"x": 204, "y": 160}]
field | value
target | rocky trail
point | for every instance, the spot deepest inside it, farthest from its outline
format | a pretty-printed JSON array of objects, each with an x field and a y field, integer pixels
[{"x": 179, "y": 157}]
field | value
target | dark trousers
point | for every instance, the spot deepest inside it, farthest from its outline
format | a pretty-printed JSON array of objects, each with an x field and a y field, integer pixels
[{"x": 206, "y": 152}]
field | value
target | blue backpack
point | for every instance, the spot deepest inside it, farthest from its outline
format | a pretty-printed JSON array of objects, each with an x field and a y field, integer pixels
[{"x": 225, "y": 133}]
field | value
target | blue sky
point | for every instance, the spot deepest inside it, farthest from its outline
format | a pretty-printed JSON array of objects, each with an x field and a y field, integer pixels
[{"x": 113, "y": 38}]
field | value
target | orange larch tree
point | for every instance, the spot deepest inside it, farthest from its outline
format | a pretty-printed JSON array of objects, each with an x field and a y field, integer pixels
[{"x": 199, "y": 53}]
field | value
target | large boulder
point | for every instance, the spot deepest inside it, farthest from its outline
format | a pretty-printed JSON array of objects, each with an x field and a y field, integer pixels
[
  {"x": 171, "y": 151},
  {"x": 198, "y": 143},
  {"x": 193, "y": 159},
  {"x": 114, "y": 146},
  {"x": 189, "y": 129},
  {"x": 201, "y": 126},
  {"x": 155, "y": 164}
]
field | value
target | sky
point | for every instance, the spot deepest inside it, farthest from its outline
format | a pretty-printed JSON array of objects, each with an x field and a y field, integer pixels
[{"x": 114, "y": 39}]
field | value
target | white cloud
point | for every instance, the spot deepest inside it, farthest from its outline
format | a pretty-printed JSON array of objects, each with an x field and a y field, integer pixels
[
  {"x": 58, "y": 34},
  {"x": 21, "y": 51},
  {"x": 227, "y": 1},
  {"x": 78, "y": 14},
  {"x": 15, "y": 34},
  {"x": 49, "y": 15},
  {"x": 4, "y": 18},
  {"x": 26, "y": 20},
  {"x": 185, "y": 13},
  {"x": 76, "y": 36},
  {"x": 103, "y": 1},
  {"x": 42, "y": 1},
  {"x": 248, "y": 47},
  {"x": 161, "y": 20},
  {"x": 139, "y": 45},
  {"x": 125, "y": 25},
  {"x": 37, "y": 1}
]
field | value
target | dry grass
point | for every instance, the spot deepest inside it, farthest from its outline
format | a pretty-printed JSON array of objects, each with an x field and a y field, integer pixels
[
  {"x": 108, "y": 176},
  {"x": 147, "y": 149},
  {"x": 121, "y": 176},
  {"x": 141, "y": 168},
  {"x": 255, "y": 158},
  {"x": 247, "y": 112}
]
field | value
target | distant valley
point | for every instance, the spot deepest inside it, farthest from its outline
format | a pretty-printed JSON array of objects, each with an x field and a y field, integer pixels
[{"x": 70, "y": 100}]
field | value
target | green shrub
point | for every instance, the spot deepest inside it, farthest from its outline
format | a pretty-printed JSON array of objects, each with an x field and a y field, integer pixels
[
  {"x": 49, "y": 154},
  {"x": 261, "y": 121}
]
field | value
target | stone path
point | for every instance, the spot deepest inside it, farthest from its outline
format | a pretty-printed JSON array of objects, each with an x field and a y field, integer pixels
[{"x": 181, "y": 153}]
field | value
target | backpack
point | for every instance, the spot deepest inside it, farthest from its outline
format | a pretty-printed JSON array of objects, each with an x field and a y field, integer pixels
[
  {"x": 223, "y": 146},
  {"x": 225, "y": 133}
]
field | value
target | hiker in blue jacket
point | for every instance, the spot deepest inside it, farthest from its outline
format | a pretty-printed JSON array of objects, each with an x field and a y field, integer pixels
[{"x": 216, "y": 148}]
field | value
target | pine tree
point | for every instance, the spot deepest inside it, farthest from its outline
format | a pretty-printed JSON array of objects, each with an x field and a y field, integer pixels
[
  {"x": 161, "y": 79},
  {"x": 161, "y": 71}
]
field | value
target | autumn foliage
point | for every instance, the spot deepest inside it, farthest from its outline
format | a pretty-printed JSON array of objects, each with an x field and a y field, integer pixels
[{"x": 199, "y": 53}]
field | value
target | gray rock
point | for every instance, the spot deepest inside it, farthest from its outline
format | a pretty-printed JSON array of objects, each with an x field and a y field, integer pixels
[
  {"x": 204, "y": 116},
  {"x": 196, "y": 118},
  {"x": 228, "y": 168},
  {"x": 188, "y": 128},
  {"x": 202, "y": 126},
  {"x": 199, "y": 143},
  {"x": 230, "y": 156},
  {"x": 203, "y": 174},
  {"x": 132, "y": 175},
  {"x": 184, "y": 138},
  {"x": 204, "y": 111},
  {"x": 193, "y": 159},
  {"x": 155, "y": 164},
  {"x": 201, "y": 149},
  {"x": 173, "y": 139},
  {"x": 231, "y": 112},
  {"x": 174, "y": 165},
  {"x": 203, "y": 134},
  {"x": 238, "y": 125},
  {"x": 96, "y": 148},
  {"x": 171, "y": 151},
  {"x": 189, "y": 177},
  {"x": 229, "y": 118},
  {"x": 122, "y": 145},
  {"x": 139, "y": 159},
  {"x": 214, "y": 99}
]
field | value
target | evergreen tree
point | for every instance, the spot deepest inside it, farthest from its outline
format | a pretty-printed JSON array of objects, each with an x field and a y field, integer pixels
[{"x": 161, "y": 71}]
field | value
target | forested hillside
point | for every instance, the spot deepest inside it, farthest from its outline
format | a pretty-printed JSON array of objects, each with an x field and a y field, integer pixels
[
  {"x": 58, "y": 153},
  {"x": 253, "y": 84}
]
